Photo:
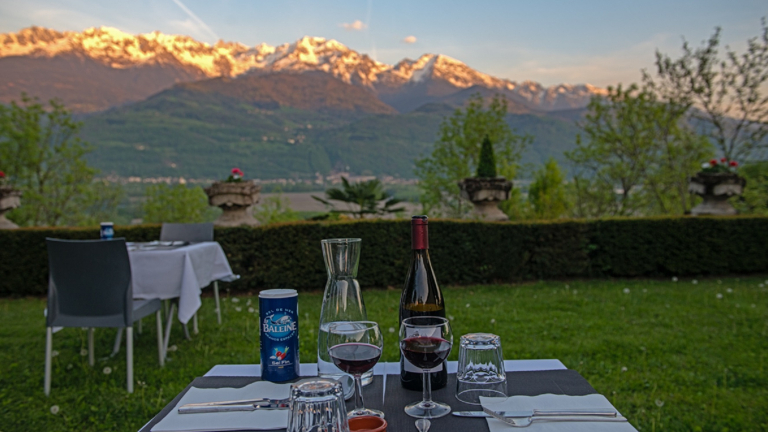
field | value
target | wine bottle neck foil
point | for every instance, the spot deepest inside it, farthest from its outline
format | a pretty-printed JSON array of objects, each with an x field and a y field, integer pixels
[{"x": 419, "y": 235}]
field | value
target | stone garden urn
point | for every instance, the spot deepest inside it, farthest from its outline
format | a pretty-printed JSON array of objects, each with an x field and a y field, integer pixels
[
  {"x": 10, "y": 198},
  {"x": 486, "y": 193},
  {"x": 715, "y": 188},
  {"x": 236, "y": 200}
]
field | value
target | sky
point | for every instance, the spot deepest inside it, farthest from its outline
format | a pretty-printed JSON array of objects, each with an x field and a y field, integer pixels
[{"x": 601, "y": 42}]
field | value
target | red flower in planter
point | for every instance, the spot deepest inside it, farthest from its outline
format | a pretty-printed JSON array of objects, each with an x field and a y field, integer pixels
[
  {"x": 723, "y": 160},
  {"x": 713, "y": 162},
  {"x": 734, "y": 164},
  {"x": 237, "y": 171},
  {"x": 2, "y": 174}
]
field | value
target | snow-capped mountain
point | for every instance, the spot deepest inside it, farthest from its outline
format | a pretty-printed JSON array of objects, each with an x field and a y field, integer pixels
[{"x": 181, "y": 58}]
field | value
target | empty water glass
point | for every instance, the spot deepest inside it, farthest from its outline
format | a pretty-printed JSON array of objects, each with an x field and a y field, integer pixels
[
  {"x": 317, "y": 405},
  {"x": 481, "y": 368}
]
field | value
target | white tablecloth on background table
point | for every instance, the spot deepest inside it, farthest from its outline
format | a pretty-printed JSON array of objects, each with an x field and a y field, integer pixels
[{"x": 179, "y": 272}]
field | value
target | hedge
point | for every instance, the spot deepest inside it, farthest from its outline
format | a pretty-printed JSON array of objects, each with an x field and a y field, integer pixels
[{"x": 463, "y": 252}]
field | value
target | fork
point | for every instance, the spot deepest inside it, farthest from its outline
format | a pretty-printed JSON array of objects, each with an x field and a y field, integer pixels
[{"x": 523, "y": 422}]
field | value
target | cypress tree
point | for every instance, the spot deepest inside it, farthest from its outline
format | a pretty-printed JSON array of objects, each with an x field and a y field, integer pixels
[{"x": 486, "y": 167}]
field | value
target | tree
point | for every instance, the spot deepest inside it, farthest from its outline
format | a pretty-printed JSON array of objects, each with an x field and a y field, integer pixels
[
  {"x": 487, "y": 165},
  {"x": 754, "y": 200},
  {"x": 275, "y": 209},
  {"x": 177, "y": 203},
  {"x": 457, "y": 150},
  {"x": 99, "y": 203},
  {"x": 365, "y": 198},
  {"x": 637, "y": 156},
  {"x": 547, "y": 194},
  {"x": 727, "y": 95},
  {"x": 43, "y": 156}
]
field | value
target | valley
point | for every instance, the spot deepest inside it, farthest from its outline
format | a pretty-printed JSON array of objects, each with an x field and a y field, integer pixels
[{"x": 157, "y": 105}]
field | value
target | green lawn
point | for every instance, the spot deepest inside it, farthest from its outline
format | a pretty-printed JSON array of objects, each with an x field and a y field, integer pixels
[{"x": 671, "y": 356}]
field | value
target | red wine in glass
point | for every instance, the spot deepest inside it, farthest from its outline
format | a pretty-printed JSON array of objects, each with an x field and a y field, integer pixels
[
  {"x": 355, "y": 358},
  {"x": 424, "y": 351}
]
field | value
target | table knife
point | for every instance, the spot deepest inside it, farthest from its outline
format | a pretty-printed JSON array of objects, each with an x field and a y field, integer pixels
[
  {"x": 238, "y": 405},
  {"x": 541, "y": 413}
]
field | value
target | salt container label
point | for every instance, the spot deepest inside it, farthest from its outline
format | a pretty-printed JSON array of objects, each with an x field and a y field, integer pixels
[{"x": 279, "y": 339}]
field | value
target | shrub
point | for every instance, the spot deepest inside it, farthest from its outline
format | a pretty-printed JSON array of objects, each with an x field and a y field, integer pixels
[
  {"x": 487, "y": 165},
  {"x": 463, "y": 252}
]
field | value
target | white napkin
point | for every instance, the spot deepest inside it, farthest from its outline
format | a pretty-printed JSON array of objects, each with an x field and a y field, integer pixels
[
  {"x": 554, "y": 402},
  {"x": 228, "y": 421}
]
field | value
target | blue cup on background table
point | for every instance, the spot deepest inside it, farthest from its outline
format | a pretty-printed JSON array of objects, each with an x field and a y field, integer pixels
[{"x": 107, "y": 230}]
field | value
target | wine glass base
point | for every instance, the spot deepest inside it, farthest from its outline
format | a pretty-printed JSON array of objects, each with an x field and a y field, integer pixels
[
  {"x": 427, "y": 410},
  {"x": 365, "y": 412}
]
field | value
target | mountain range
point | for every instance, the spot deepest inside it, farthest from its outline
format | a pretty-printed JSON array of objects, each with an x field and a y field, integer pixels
[{"x": 156, "y": 103}]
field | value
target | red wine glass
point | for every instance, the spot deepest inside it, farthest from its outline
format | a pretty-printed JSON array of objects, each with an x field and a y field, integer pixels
[
  {"x": 426, "y": 342},
  {"x": 355, "y": 348}
]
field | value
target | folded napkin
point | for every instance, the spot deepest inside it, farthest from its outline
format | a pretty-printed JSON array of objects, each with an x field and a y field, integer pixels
[
  {"x": 554, "y": 402},
  {"x": 228, "y": 421}
]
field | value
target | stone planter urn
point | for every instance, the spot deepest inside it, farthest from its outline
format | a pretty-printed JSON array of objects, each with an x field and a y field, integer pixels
[
  {"x": 715, "y": 188},
  {"x": 486, "y": 193},
  {"x": 10, "y": 198},
  {"x": 236, "y": 200}
]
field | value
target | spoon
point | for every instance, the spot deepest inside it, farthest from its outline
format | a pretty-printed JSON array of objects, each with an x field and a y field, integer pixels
[{"x": 423, "y": 425}]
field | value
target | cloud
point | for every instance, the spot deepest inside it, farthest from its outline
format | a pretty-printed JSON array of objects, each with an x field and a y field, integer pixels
[
  {"x": 197, "y": 21},
  {"x": 409, "y": 39},
  {"x": 357, "y": 25}
]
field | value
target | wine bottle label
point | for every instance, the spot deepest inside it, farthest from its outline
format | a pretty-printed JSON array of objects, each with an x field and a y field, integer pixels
[{"x": 408, "y": 366}]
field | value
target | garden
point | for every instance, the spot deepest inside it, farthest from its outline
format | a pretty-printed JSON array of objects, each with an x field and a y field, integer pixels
[{"x": 672, "y": 354}]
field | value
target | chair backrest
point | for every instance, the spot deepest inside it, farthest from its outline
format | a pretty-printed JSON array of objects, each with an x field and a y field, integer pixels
[
  {"x": 89, "y": 283},
  {"x": 193, "y": 233}
]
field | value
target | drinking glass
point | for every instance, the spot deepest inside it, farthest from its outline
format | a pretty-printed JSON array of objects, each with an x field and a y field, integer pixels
[
  {"x": 317, "y": 405},
  {"x": 481, "y": 368},
  {"x": 426, "y": 342},
  {"x": 355, "y": 348}
]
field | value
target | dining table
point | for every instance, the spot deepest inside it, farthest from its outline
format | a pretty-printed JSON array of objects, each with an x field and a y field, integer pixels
[
  {"x": 525, "y": 377},
  {"x": 169, "y": 270},
  {"x": 175, "y": 270}
]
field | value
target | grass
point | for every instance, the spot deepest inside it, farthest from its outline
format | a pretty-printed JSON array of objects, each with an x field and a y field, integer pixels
[{"x": 671, "y": 356}]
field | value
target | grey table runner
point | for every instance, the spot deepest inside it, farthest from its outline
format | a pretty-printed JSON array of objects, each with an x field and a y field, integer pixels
[{"x": 567, "y": 382}]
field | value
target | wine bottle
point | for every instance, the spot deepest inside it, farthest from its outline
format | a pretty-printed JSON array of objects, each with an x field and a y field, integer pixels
[{"x": 421, "y": 297}]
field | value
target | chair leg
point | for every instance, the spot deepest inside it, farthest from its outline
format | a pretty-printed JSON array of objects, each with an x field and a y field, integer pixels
[
  {"x": 160, "y": 353},
  {"x": 129, "y": 357},
  {"x": 118, "y": 342},
  {"x": 168, "y": 329},
  {"x": 186, "y": 332},
  {"x": 216, "y": 296},
  {"x": 91, "y": 355},
  {"x": 194, "y": 324},
  {"x": 48, "y": 359}
]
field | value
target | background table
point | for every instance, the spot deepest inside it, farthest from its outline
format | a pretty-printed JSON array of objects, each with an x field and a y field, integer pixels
[{"x": 166, "y": 273}]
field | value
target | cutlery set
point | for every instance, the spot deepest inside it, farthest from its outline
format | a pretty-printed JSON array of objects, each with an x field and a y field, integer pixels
[{"x": 520, "y": 419}]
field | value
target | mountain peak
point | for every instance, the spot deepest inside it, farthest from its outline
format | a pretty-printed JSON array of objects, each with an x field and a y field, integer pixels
[{"x": 116, "y": 49}]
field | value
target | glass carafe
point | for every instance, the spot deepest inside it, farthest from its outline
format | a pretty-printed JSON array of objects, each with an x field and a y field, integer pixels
[{"x": 342, "y": 300}]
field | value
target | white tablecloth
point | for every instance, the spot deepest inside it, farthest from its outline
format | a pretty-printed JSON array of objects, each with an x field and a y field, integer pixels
[
  {"x": 180, "y": 272},
  {"x": 384, "y": 368}
]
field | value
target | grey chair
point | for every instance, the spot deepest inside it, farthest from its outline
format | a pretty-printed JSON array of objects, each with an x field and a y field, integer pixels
[
  {"x": 194, "y": 233},
  {"x": 89, "y": 285}
]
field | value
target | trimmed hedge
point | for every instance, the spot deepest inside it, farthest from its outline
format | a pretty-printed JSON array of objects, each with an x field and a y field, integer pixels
[{"x": 463, "y": 252}]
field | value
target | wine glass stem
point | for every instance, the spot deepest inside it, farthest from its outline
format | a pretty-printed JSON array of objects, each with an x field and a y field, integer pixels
[
  {"x": 426, "y": 388},
  {"x": 359, "y": 393}
]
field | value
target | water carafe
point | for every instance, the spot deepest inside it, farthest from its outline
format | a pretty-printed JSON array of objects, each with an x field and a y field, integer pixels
[{"x": 342, "y": 300}]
